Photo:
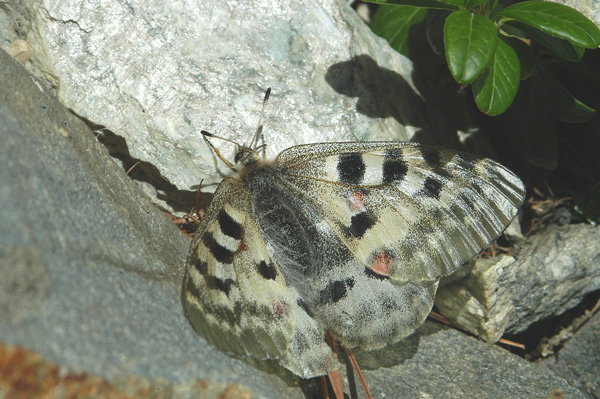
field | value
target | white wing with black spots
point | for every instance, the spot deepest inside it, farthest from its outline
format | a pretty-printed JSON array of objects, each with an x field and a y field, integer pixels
[
  {"x": 342, "y": 238},
  {"x": 236, "y": 297},
  {"x": 407, "y": 211},
  {"x": 234, "y": 294}
]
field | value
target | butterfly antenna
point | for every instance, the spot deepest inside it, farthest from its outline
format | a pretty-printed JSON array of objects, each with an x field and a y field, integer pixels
[
  {"x": 259, "y": 127},
  {"x": 206, "y": 134}
]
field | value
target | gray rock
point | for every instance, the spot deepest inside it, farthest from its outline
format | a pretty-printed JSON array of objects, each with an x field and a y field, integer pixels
[
  {"x": 90, "y": 270},
  {"x": 157, "y": 77},
  {"x": 578, "y": 361},
  {"x": 552, "y": 272},
  {"x": 91, "y": 275},
  {"x": 438, "y": 362},
  {"x": 481, "y": 303}
]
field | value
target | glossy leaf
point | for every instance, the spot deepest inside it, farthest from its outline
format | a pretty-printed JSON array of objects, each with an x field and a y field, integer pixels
[
  {"x": 393, "y": 23},
  {"x": 471, "y": 4},
  {"x": 495, "y": 89},
  {"x": 525, "y": 54},
  {"x": 556, "y": 20},
  {"x": 441, "y": 4},
  {"x": 562, "y": 47},
  {"x": 471, "y": 42}
]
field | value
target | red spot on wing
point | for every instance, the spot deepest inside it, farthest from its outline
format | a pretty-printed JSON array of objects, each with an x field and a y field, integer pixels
[
  {"x": 242, "y": 247},
  {"x": 382, "y": 264},
  {"x": 357, "y": 200},
  {"x": 279, "y": 308}
]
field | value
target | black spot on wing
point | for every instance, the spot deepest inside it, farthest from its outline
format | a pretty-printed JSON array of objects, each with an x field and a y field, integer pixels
[
  {"x": 228, "y": 226},
  {"x": 351, "y": 168},
  {"x": 370, "y": 273},
  {"x": 200, "y": 266},
  {"x": 394, "y": 167},
  {"x": 233, "y": 315},
  {"x": 432, "y": 158},
  {"x": 466, "y": 162},
  {"x": 336, "y": 290},
  {"x": 360, "y": 223},
  {"x": 268, "y": 271},
  {"x": 432, "y": 187},
  {"x": 216, "y": 283},
  {"x": 192, "y": 288},
  {"x": 219, "y": 252}
]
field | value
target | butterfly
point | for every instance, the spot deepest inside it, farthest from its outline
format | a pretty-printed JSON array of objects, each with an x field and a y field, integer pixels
[{"x": 348, "y": 238}]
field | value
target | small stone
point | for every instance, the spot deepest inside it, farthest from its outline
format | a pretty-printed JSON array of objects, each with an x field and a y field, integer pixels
[{"x": 20, "y": 50}]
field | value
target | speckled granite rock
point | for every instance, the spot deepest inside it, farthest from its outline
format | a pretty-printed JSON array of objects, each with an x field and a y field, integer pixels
[{"x": 156, "y": 76}]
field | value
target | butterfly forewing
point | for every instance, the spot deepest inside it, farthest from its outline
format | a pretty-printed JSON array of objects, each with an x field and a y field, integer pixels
[
  {"x": 408, "y": 211},
  {"x": 234, "y": 294},
  {"x": 345, "y": 238}
]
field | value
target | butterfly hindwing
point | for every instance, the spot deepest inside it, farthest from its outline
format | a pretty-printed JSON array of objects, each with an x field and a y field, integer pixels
[
  {"x": 234, "y": 294},
  {"x": 407, "y": 211}
]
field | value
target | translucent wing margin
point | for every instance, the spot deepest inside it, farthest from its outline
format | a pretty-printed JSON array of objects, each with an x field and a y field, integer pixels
[
  {"x": 233, "y": 293},
  {"x": 236, "y": 297},
  {"x": 406, "y": 211}
]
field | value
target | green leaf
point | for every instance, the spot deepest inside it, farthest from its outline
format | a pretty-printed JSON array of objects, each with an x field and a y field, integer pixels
[
  {"x": 562, "y": 105},
  {"x": 471, "y": 42},
  {"x": 556, "y": 20},
  {"x": 513, "y": 31},
  {"x": 393, "y": 23},
  {"x": 525, "y": 54},
  {"x": 434, "y": 30},
  {"x": 495, "y": 89},
  {"x": 441, "y": 4},
  {"x": 562, "y": 47},
  {"x": 471, "y": 4}
]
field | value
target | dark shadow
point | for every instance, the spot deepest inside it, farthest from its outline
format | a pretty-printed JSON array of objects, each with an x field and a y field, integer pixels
[
  {"x": 384, "y": 93},
  {"x": 178, "y": 200},
  {"x": 536, "y": 336},
  {"x": 377, "y": 90},
  {"x": 398, "y": 353}
]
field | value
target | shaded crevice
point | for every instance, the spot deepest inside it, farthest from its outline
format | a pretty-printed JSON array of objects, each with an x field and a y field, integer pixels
[
  {"x": 179, "y": 201},
  {"x": 542, "y": 334}
]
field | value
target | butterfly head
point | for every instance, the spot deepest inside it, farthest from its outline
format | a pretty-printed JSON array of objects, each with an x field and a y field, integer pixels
[{"x": 245, "y": 156}]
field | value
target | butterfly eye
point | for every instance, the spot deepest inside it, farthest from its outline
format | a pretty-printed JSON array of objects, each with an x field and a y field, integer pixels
[{"x": 238, "y": 156}]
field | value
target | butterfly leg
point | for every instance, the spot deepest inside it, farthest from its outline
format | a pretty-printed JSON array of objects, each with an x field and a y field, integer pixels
[
  {"x": 335, "y": 377},
  {"x": 359, "y": 373}
]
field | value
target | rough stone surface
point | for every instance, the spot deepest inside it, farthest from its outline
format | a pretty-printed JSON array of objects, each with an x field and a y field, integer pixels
[
  {"x": 481, "y": 303},
  {"x": 96, "y": 269},
  {"x": 579, "y": 359},
  {"x": 555, "y": 269},
  {"x": 156, "y": 76},
  {"x": 437, "y": 362},
  {"x": 90, "y": 270},
  {"x": 552, "y": 272}
]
